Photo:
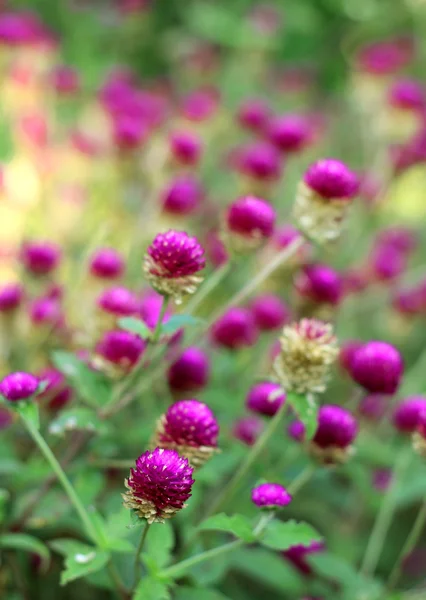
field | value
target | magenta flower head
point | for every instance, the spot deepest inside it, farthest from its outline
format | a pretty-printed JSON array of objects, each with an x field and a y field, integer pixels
[
  {"x": 172, "y": 263},
  {"x": 106, "y": 263},
  {"x": 249, "y": 221},
  {"x": 247, "y": 430},
  {"x": 320, "y": 284},
  {"x": 297, "y": 431},
  {"x": 150, "y": 309},
  {"x": 407, "y": 413},
  {"x": 337, "y": 429},
  {"x": 18, "y": 386},
  {"x": 40, "y": 258},
  {"x": 402, "y": 239},
  {"x": 347, "y": 353},
  {"x": 387, "y": 263},
  {"x": 377, "y": 367},
  {"x": 297, "y": 555},
  {"x": 308, "y": 349},
  {"x": 407, "y": 94},
  {"x": 121, "y": 348},
  {"x": 386, "y": 57},
  {"x": 159, "y": 486},
  {"x": 270, "y": 496},
  {"x": 201, "y": 104},
  {"x": 45, "y": 311},
  {"x": 265, "y": 398},
  {"x": 190, "y": 372},
  {"x": 253, "y": 115},
  {"x": 183, "y": 195},
  {"x": 189, "y": 427},
  {"x": 235, "y": 329},
  {"x": 185, "y": 147},
  {"x": 11, "y": 296},
  {"x": 270, "y": 312},
  {"x": 216, "y": 250},
  {"x": 290, "y": 133},
  {"x": 65, "y": 80},
  {"x": 118, "y": 301},
  {"x": 57, "y": 393},
  {"x": 260, "y": 161},
  {"x": 323, "y": 199},
  {"x": 129, "y": 132},
  {"x": 373, "y": 406}
]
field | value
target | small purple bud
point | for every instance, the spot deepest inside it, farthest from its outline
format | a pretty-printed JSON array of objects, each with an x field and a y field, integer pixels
[
  {"x": 320, "y": 283},
  {"x": 253, "y": 115},
  {"x": 11, "y": 296},
  {"x": 337, "y": 427},
  {"x": 106, "y": 263},
  {"x": 373, "y": 407},
  {"x": 290, "y": 133},
  {"x": 40, "y": 258},
  {"x": 183, "y": 195},
  {"x": 150, "y": 309},
  {"x": 297, "y": 431},
  {"x": 270, "y": 495},
  {"x": 45, "y": 311},
  {"x": 378, "y": 367},
  {"x": 407, "y": 94},
  {"x": 57, "y": 394},
  {"x": 18, "y": 386},
  {"x": 260, "y": 161},
  {"x": 331, "y": 179},
  {"x": 251, "y": 217},
  {"x": 406, "y": 416},
  {"x": 118, "y": 301},
  {"x": 298, "y": 555},
  {"x": 270, "y": 312},
  {"x": 247, "y": 430},
  {"x": 121, "y": 348},
  {"x": 186, "y": 147},
  {"x": 235, "y": 329},
  {"x": 190, "y": 371},
  {"x": 265, "y": 398}
]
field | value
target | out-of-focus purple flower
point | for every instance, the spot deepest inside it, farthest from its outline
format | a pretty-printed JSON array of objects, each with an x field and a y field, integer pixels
[
  {"x": 381, "y": 479},
  {"x": 297, "y": 555},
  {"x": 386, "y": 57},
  {"x": 336, "y": 431},
  {"x": 215, "y": 249},
  {"x": 247, "y": 430},
  {"x": 285, "y": 235},
  {"x": 402, "y": 239},
  {"x": 190, "y": 371},
  {"x": 186, "y": 147},
  {"x": 159, "y": 485},
  {"x": 11, "y": 296},
  {"x": 265, "y": 398},
  {"x": 270, "y": 312},
  {"x": 260, "y": 160},
  {"x": 129, "y": 132},
  {"x": 183, "y": 195},
  {"x": 250, "y": 220},
  {"x": 57, "y": 393},
  {"x": 290, "y": 133},
  {"x": 18, "y": 386},
  {"x": 407, "y": 94},
  {"x": 200, "y": 104},
  {"x": 121, "y": 348},
  {"x": 378, "y": 367},
  {"x": 373, "y": 406},
  {"x": 107, "y": 263},
  {"x": 65, "y": 80},
  {"x": 387, "y": 263},
  {"x": 347, "y": 353},
  {"x": 409, "y": 301},
  {"x": 270, "y": 495},
  {"x": 407, "y": 413},
  {"x": 235, "y": 329},
  {"x": 253, "y": 114},
  {"x": 331, "y": 179},
  {"x": 118, "y": 301},
  {"x": 320, "y": 284},
  {"x": 40, "y": 258},
  {"x": 45, "y": 311},
  {"x": 150, "y": 309},
  {"x": 297, "y": 431}
]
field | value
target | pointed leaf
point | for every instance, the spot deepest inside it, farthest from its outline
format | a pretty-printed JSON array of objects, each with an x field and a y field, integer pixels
[
  {"x": 28, "y": 543},
  {"x": 238, "y": 525},
  {"x": 78, "y": 418},
  {"x": 177, "y": 322},
  {"x": 188, "y": 593},
  {"x": 80, "y": 559},
  {"x": 280, "y": 535},
  {"x": 306, "y": 409},
  {"x": 136, "y": 326},
  {"x": 150, "y": 588},
  {"x": 159, "y": 543},
  {"x": 29, "y": 412}
]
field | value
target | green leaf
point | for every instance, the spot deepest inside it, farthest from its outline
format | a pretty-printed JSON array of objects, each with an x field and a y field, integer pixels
[
  {"x": 159, "y": 543},
  {"x": 135, "y": 326},
  {"x": 176, "y": 322},
  {"x": 150, "y": 588},
  {"x": 306, "y": 409},
  {"x": 29, "y": 412},
  {"x": 238, "y": 525},
  {"x": 80, "y": 559},
  {"x": 188, "y": 593},
  {"x": 92, "y": 386},
  {"x": 4, "y": 498},
  {"x": 120, "y": 546},
  {"x": 280, "y": 535},
  {"x": 79, "y": 418},
  {"x": 27, "y": 543}
]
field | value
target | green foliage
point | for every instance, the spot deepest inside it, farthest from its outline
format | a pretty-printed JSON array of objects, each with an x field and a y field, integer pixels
[
  {"x": 26, "y": 543},
  {"x": 280, "y": 535},
  {"x": 159, "y": 543},
  {"x": 78, "y": 418},
  {"x": 150, "y": 588},
  {"x": 177, "y": 322},
  {"x": 306, "y": 408},
  {"x": 135, "y": 326},
  {"x": 80, "y": 559},
  {"x": 238, "y": 525}
]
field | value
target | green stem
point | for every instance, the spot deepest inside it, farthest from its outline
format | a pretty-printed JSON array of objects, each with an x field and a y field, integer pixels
[
  {"x": 385, "y": 516},
  {"x": 157, "y": 330},
  {"x": 69, "y": 490},
  {"x": 409, "y": 546},
  {"x": 116, "y": 579},
  {"x": 251, "y": 457},
  {"x": 194, "y": 560},
  {"x": 138, "y": 553}
]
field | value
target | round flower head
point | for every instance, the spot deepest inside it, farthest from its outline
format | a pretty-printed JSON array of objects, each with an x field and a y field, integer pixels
[
  {"x": 18, "y": 386},
  {"x": 247, "y": 430},
  {"x": 57, "y": 394},
  {"x": 407, "y": 413},
  {"x": 189, "y": 427},
  {"x": 403, "y": 239},
  {"x": 377, "y": 367},
  {"x": 373, "y": 407},
  {"x": 118, "y": 301},
  {"x": 172, "y": 262},
  {"x": 129, "y": 132},
  {"x": 297, "y": 431},
  {"x": 235, "y": 329},
  {"x": 186, "y": 147},
  {"x": 253, "y": 115},
  {"x": 261, "y": 161},
  {"x": 40, "y": 258},
  {"x": 159, "y": 485},
  {"x": 290, "y": 133},
  {"x": 121, "y": 348},
  {"x": 347, "y": 353},
  {"x": 386, "y": 57},
  {"x": 106, "y": 263},
  {"x": 323, "y": 198},
  {"x": 337, "y": 429},
  {"x": 407, "y": 94},
  {"x": 65, "y": 80},
  {"x": 270, "y": 495},
  {"x": 216, "y": 250},
  {"x": 320, "y": 284},
  {"x": 249, "y": 221},
  {"x": 45, "y": 311},
  {"x": 270, "y": 312},
  {"x": 308, "y": 349},
  {"x": 190, "y": 371},
  {"x": 387, "y": 263},
  {"x": 265, "y": 398},
  {"x": 11, "y": 296},
  {"x": 183, "y": 195},
  {"x": 297, "y": 555}
]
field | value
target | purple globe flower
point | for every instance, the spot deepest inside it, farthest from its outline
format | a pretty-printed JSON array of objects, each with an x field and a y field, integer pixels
[
  {"x": 45, "y": 311},
  {"x": 121, "y": 348},
  {"x": 406, "y": 415},
  {"x": 129, "y": 132},
  {"x": 265, "y": 398},
  {"x": 186, "y": 147},
  {"x": 403, "y": 239},
  {"x": 172, "y": 262},
  {"x": 386, "y": 57},
  {"x": 183, "y": 195},
  {"x": 150, "y": 309},
  {"x": 235, "y": 329},
  {"x": 378, "y": 367},
  {"x": 373, "y": 407},
  {"x": 253, "y": 115},
  {"x": 40, "y": 258},
  {"x": 270, "y": 312},
  {"x": 297, "y": 555},
  {"x": 65, "y": 80},
  {"x": 407, "y": 94},
  {"x": 270, "y": 495},
  {"x": 57, "y": 393},
  {"x": 347, "y": 353},
  {"x": 337, "y": 429},
  {"x": 250, "y": 220},
  {"x": 18, "y": 386},
  {"x": 331, "y": 179},
  {"x": 297, "y": 431},
  {"x": 11, "y": 296},
  {"x": 290, "y": 133},
  {"x": 200, "y": 104},
  {"x": 106, "y": 263},
  {"x": 190, "y": 371},
  {"x": 261, "y": 161},
  {"x": 159, "y": 485},
  {"x": 387, "y": 263},
  {"x": 320, "y": 283},
  {"x": 247, "y": 430},
  {"x": 285, "y": 235},
  {"x": 118, "y": 301}
]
